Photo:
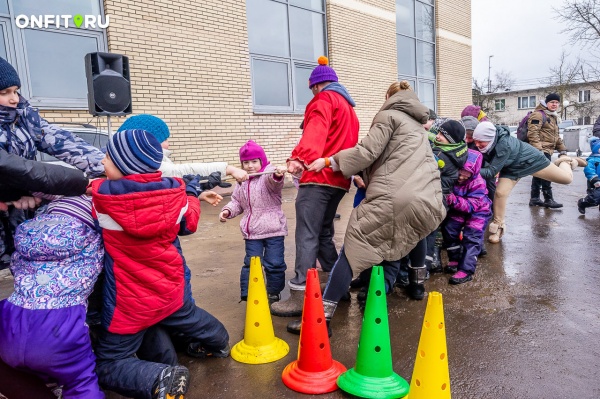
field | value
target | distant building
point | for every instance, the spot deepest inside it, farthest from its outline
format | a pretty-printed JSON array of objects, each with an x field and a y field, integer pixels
[{"x": 581, "y": 102}]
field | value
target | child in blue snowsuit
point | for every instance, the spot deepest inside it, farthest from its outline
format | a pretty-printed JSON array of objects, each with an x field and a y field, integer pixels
[
  {"x": 58, "y": 256},
  {"x": 592, "y": 173}
]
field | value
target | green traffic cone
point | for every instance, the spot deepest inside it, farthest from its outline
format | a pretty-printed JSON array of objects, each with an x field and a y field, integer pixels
[{"x": 373, "y": 376}]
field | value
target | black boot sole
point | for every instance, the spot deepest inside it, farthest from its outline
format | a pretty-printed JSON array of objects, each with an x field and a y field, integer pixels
[
  {"x": 286, "y": 314},
  {"x": 297, "y": 331}
]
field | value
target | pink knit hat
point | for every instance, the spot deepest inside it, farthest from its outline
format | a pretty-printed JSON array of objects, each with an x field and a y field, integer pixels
[{"x": 252, "y": 150}]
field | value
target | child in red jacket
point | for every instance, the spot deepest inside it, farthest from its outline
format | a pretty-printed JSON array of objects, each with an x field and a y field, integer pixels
[{"x": 147, "y": 281}]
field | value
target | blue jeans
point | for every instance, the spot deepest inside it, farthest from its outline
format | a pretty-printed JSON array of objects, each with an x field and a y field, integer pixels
[{"x": 271, "y": 252}]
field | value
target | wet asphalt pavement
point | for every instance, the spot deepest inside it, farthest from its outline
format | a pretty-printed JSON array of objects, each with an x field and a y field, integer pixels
[{"x": 526, "y": 327}]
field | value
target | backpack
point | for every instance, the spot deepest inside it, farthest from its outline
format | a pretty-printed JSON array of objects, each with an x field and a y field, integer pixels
[{"x": 522, "y": 129}]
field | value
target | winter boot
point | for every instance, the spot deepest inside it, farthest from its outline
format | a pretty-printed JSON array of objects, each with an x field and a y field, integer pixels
[
  {"x": 460, "y": 277},
  {"x": 172, "y": 383},
  {"x": 272, "y": 298},
  {"x": 436, "y": 260},
  {"x": 496, "y": 232},
  {"x": 549, "y": 200},
  {"x": 451, "y": 267},
  {"x": 454, "y": 253},
  {"x": 292, "y": 307},
  {"x": 581, "y": 206},
  {"x": 416, "y": 278},
  {"x": 535, "y": 198},
  {"x": 202, "y": 352},
  {"x": 329, "y": 308},
  {"x": 483, "y": 250},
  {"x": 357, "y": 283},
  {"x": 361, "y": 298}
]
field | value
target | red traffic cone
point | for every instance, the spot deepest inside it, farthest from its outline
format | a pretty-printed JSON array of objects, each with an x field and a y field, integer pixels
[{"x": 315, "y": 372}]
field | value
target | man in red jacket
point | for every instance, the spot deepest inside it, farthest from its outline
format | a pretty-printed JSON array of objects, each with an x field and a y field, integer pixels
[{"x": 330, "y": 125}]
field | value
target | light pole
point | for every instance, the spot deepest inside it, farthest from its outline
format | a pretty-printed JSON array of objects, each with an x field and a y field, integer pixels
[
  {"x": 489, "y": 74},
  {"x": 566, "y": 103}
]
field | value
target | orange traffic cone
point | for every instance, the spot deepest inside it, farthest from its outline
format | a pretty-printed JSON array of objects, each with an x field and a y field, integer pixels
[{"x": 315, "y": 372}]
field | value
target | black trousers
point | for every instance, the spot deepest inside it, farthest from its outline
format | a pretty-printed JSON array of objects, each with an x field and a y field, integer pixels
[
  {"x": 544, "y": 185},
  {"x": 315, "y": 211}
]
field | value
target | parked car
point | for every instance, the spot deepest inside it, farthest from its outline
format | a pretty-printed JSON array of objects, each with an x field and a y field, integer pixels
[
  {"x": 565, "y": 124},
  {"x": 90, "y": 133},
  {"x": 576, "y": 138},
  {"x": 513, "y": 130}
]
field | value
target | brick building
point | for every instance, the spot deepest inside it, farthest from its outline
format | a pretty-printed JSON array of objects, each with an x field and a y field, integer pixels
[{"x": 222, "y": 72}]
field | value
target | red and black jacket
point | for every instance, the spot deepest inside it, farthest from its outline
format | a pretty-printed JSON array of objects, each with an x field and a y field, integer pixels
[{"x": 146, "y": 277}]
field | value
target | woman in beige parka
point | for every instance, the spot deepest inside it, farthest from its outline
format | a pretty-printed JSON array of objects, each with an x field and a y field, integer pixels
[{"x": 403, "y": 202}]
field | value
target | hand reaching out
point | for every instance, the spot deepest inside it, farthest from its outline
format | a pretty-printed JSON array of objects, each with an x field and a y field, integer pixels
[
  {"x": 295, "y": 167},
  {"x": 238, "y": 174},
  {"x": 27, "y": 203},
  {"x": 360, "y": 183},
  {"x": 279, "y": 171},
  {"x": 224, "y": 215},
  {"x": 211, "y": 197}
]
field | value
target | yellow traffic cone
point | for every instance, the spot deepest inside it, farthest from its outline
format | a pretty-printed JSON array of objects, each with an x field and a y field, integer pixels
[
  {"x": 259, "y": 344},
  {"x": 431, "y": 378}
]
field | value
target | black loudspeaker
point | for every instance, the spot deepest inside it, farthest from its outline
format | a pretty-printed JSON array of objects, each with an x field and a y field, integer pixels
[{"x": 109, "y": 87}]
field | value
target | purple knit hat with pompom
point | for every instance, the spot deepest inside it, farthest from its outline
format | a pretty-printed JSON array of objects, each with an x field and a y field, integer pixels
[{"x": 322, "y": 73}]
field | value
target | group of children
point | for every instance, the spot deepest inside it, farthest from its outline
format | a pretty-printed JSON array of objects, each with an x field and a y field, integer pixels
[{"x": 129, "y": 229}]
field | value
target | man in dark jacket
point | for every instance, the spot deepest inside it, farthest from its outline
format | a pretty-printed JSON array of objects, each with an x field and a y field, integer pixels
[{"x": 542, "y": 133}]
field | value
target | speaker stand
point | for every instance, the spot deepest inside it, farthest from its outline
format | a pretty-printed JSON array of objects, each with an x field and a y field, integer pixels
[{"x": 109, "y": 126}]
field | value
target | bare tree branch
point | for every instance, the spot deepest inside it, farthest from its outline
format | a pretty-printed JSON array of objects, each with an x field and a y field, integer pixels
[{"x": 582, "y": 20}]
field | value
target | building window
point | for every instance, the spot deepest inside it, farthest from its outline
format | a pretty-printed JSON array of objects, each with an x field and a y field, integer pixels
[
  {"x": 415, "y": 41},
  {"x": 500, "y": 105},
  {"x": 50, "y": 61},
  {"x": 526, "y": 102},
  {"x": 584, "y": 96},
  {"x": 285, "y": 38},
  {"x": 584, "y": 120}
]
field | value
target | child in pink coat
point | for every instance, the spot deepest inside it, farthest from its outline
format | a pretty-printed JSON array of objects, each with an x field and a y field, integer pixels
[{"x": 263, "y": 223}]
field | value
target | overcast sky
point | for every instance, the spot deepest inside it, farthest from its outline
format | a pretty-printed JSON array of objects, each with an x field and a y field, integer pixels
[{"x": 523, "y": 37}]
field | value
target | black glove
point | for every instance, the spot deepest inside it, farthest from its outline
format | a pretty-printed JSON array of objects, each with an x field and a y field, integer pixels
[
  {"x": 208, "y": 183},
  {"x": 193, "y": 185},
  {"x": 214, "y": 180}
]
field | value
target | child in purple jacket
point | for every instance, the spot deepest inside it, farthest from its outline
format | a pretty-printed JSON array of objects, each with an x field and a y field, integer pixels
[
  {"x": 58, "y": 257},
  {"x": 263, "y": 225},
  {"x": 470, "y": 209}
]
